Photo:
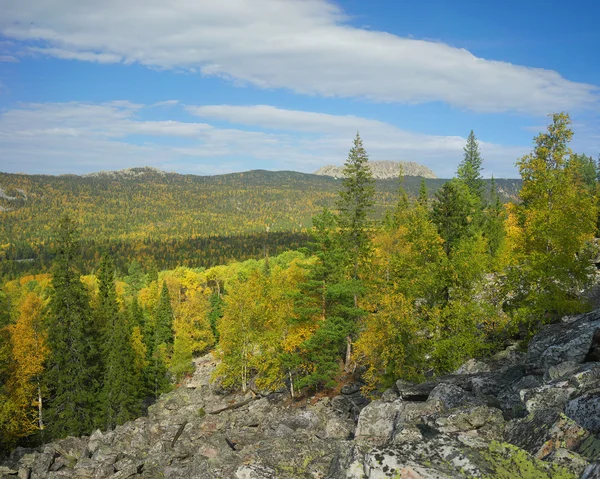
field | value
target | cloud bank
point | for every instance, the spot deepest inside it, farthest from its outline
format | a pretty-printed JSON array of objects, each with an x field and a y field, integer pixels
[
  {"x": 77, "y": 137},
  {"x": 305, "y": 46}
]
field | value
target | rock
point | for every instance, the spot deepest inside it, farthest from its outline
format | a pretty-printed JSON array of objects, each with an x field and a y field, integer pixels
[
  {"x": 570, "y": 460},
  {"x": 452, "y": 396},
  {"x": 7, "y": 471},
  {"x": 560, "y": 370},
  {"x": 71, "y": 448},
  {"x": 377, "y": 421},
  {"x": 510, "y": 399},
  {"x": 480, "y": 421},
  {"x": 255, "y": 471},
  {"x": 585, "y": 411},
  {"x": 548, "y": 396},
  {"x": 592, "y": 471},
  {"x": 562, "y": 342},
  {"x": 473, "y": 366},
  {"x": 389, "y": 395},
  {"x": 415, "y": 392},
  {"x": 349, "y": 389}
]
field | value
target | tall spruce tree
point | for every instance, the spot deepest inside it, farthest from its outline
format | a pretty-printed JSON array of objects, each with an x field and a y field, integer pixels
[
  {"x": 495, "y": 217},
  {"x": 325, "y": 298},
  {"x": 354, "y": 205},
  {"x": 72, "y": 368},
  {"x": 120, "y": 394},
  {"x": 469, "y": 170},
  {"x": 162, "y": 342},
  {"x": 452, "y": 213},
  {"x": 423, "y": 198}
]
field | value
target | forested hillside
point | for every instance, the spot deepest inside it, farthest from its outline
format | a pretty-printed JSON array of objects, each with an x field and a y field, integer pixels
[
  {"x": 147, "y": 214},
  {"x": 408, "y": 294}
]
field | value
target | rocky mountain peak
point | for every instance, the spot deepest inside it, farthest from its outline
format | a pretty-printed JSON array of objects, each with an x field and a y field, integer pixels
[
  {"x": 128, "y": 173},
  {"x": 382, "y": 170}
]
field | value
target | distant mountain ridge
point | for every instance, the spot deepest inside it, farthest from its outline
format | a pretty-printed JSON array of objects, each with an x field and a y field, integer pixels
[
  {"x": 179, "y": 219},
  {"x": 382, "y": 170}
]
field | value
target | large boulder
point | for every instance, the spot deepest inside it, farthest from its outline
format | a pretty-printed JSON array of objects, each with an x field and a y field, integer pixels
[{"x": 571, "y": 340}]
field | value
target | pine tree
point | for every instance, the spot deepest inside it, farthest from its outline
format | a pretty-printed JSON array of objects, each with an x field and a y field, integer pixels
[
  {"x": 72, "y": 364},
  {"x": 120, "y": 390},
  {"x": 469, "y": 170}
]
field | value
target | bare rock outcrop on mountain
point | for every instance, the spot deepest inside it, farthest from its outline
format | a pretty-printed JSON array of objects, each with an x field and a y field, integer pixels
[
  {"x": 525, "y": 415},
  {"x": 382, "y": 170}
]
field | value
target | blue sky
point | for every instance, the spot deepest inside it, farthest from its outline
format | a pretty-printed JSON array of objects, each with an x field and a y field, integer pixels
[{"x": 206, "y": 87}]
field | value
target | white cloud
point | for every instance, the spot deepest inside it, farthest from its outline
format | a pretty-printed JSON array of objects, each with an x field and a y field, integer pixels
[
  {"x": 79, "y": 137},
  {"x": 305, "y": 46},
  {"x": 8, "y": 59}
]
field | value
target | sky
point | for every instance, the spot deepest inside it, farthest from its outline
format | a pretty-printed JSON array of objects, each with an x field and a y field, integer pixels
[{"x": 210, "y": 87}]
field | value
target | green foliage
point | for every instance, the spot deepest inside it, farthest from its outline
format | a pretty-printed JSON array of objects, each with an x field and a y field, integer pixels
[
  {"x": 469, "y": 170},
  {"x": 423, "y": 198},
  {"x": 355, "y": 203},
  {"x": 72, "y": 369},
  {"x": 454, "y": 213},
  {"x": 163, "y": 332},
  {"x": 557, "y": 219},
  {"x": 120, "y": 394}
]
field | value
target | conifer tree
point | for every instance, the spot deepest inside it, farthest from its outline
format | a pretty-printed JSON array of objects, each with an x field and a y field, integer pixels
[
  {"x": 469, "y": 170},
  {"x": 494, "y": 221},
  {"x": 355, "y": 203},
  {"x": 557, "y": 216},
  {"x": 163, "y": 333},
  {"x": 326, "y": 299},
  {"x": 423, "y": 198},
  {"x": 120, "y": 389},
  {"x": 453, "y": 213},
  {"x": 162, "y": 341},
  {"x": 72, "y": 369},
  {"x": 402, "y": 204}
]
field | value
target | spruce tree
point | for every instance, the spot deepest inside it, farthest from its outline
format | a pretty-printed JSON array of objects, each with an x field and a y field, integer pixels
[
  {"x": 402, "y": 204},
  {"x": 355, "y": 203},
  {"x": 163, "y": 333},
  {"x": 469, "y": 170},
  {"x": 494, "y": 221},
  {"x": 162, "y": 342},
  {"x": 423, "y": 198},
  {"x": 72, "y": 369},
  {"x": 120, "y": 390},
  {"x": 453, "y": 213}
]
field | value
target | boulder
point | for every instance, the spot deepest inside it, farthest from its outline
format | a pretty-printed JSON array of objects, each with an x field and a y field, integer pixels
[
  {"x": 548, "y": 396},
  {"x": 452, "y": 396},
  {"x": 377, "y": 421},
  {"x": 568, "y": 341},
  {"x": 585, "y": 411}
]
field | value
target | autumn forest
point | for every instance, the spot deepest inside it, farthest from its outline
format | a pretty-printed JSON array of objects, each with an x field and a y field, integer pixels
[{"x": 110, "y": 286}]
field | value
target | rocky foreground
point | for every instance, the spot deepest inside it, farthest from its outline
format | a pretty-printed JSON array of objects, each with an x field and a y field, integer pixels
[{"x": 519, "y": 415}]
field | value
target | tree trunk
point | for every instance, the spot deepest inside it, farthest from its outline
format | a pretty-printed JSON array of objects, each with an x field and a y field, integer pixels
[
  {"x": 348, "y": 354},
  {"x": 40, "y": 417}
]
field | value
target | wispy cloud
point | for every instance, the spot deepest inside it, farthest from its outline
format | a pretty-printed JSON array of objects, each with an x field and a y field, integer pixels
[
  {"x": 77, "y": 137},
  {"x": 306, "y": 46}
]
